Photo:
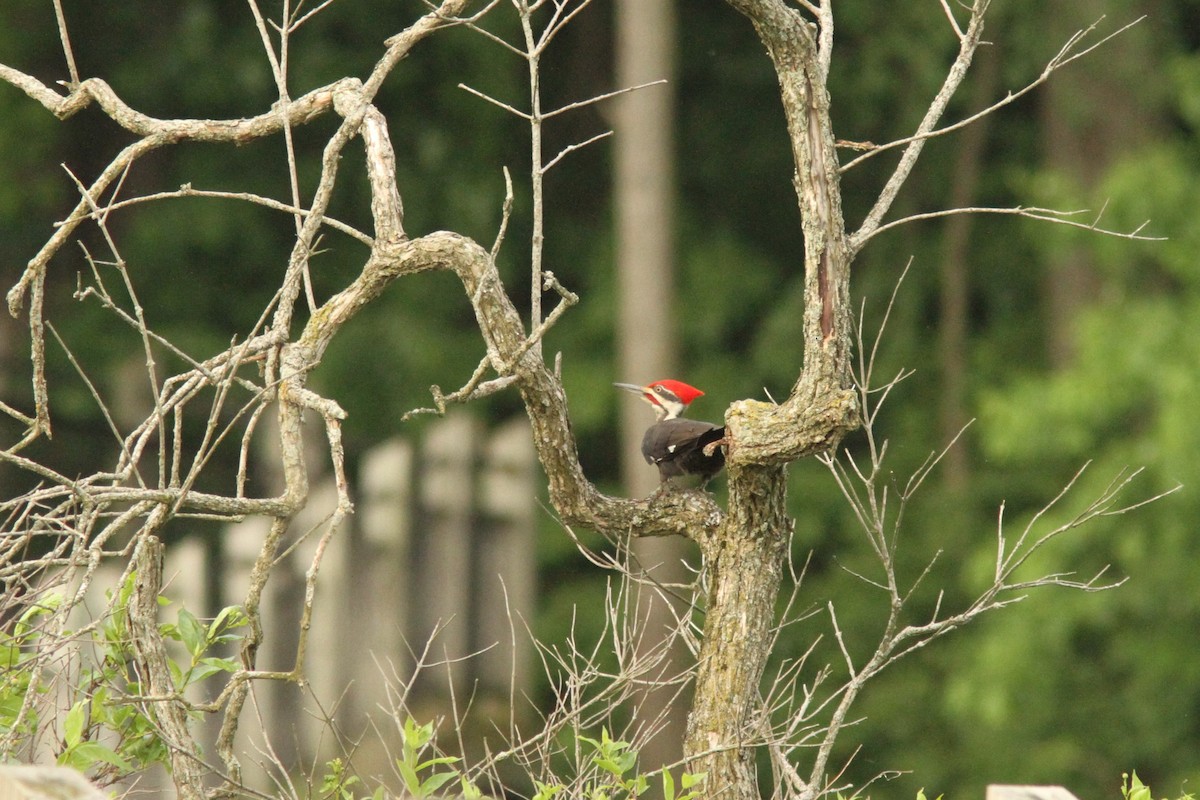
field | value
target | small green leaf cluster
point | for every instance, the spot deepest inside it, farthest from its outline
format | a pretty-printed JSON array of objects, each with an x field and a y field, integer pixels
[
  {"x": 107, "y": 731},
  {"x": 1132, "y": 788},
  {"x": 19, "y": 660},
  {"x": 84, "y": 753},
  {"x": 17, "y": 651},
  {"x": 424, "y": 773},
  {"x": 109, "y": 707},
  {"x": 416, "y": 740},
  {"x": 339, "y": 784},
  {"x": 620, "y": 779},
  {"x": 199, "y": 638},
  {"x": 417, "y": 768}
]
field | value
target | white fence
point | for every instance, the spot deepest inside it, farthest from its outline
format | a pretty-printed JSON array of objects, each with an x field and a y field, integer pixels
[{"x": 443, "y": 538}]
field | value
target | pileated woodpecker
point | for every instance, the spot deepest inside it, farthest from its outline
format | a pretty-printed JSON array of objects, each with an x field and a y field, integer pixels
[{"x": 675, "y": 445}]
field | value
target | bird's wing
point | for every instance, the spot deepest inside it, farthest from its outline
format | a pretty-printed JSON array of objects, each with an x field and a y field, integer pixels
[{"x": 684, "y": 435}]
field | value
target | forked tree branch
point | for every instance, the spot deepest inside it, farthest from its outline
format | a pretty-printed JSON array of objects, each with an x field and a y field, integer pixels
[{"x": 968, "y": 43}]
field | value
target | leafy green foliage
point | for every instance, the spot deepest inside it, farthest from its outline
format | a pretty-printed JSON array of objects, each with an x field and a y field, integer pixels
[
  {"x": 107, "y": 730},
  {"x": 1132, "y": 788},
  {"x": 198, "y": 639},
  {"x": 1126, "y": 398},
  {"x": 415, "y": 740},
  {"x": 16, "y": 661},
  {"x": 611, "y": 773},
  {"x": 619, "y": 777},
  {"x": 339, "y": 784},
  {"x": 687, "y": 781},
  {"x": 84, "y": 754},
  {"x": 616, "y": 759}
]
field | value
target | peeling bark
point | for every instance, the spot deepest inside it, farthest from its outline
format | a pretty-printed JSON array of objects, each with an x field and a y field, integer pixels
[{"x": 745, "y": 560}]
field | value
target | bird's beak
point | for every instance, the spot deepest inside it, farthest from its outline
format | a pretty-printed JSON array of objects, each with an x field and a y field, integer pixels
[{"x": 631, "y": 387}]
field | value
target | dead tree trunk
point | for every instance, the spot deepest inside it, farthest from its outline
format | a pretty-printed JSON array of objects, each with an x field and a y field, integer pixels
[
  {"x": 744, "y": 563},
  {"x": 745, "y": 559}
]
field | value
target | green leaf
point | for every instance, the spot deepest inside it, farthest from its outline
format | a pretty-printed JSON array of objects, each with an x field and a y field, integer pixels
[
  {"x": 668, "y": 785},
  {"x": 211, "y": 666},
  {"x": 47, "y": 603},
  {"x": 435, "y": 782},
  {"x": 99, "y": 706},
  {"x": 433, "y": 762},
  {"x": 177, "y": 676},
  {"x": 99, "y": 752},
  {"x": 416, "y": 736},
  {"x": 411, "y": 781},
  {"x": 469, "y": 790},
  {"x": 85, "y": 755},
  {"x": 336, "y": 783},
  {"x": 230, "y": 617},
  {"x": 126, "y": 590},
  {"x": 10, "y": 654},
  {"x": 73, "y": 725},
  {"x": 691, "y": 779},
  {"x": 192, "y": 633},
  {"x": 1138, "y": 790}
]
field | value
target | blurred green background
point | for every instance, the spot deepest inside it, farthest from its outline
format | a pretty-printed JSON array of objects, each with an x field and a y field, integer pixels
[{"x": 1064, "y": 346}]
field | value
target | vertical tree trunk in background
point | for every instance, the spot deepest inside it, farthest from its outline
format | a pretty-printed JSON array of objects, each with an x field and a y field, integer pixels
[
  {"x": 1087, "y": 118},
  {"x": 955, "y": 277},
  {"x": 644, "y": 200}
]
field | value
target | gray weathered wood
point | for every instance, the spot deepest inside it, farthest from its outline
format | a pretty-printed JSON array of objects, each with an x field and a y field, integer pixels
[
  {"x": 381, "y": 572},
  {"x": 506, "y": 556},
  {"x": 1000, "y": 791},
  {"x": 46, "y": 783},
  {"x": 443, "y": 575}
]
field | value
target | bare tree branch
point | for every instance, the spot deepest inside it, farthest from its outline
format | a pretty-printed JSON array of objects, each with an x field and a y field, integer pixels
[
  {"x": 1032, "y": 212},
  {"x": 968, "y": 43}
]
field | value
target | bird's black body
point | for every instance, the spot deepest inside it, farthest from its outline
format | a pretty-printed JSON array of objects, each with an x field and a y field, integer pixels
[
  {"x": 676, "y": 447},
  {"x": 679, "y": 447}
]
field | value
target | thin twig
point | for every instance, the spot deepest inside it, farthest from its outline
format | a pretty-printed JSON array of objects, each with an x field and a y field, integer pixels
[
  {"x": 61, "y": 18},
  {"x": 1040, "y": 214}
]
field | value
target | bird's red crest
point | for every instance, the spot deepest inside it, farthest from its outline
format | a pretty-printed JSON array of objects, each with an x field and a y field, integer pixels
[{"x": 685, "y": 393}]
